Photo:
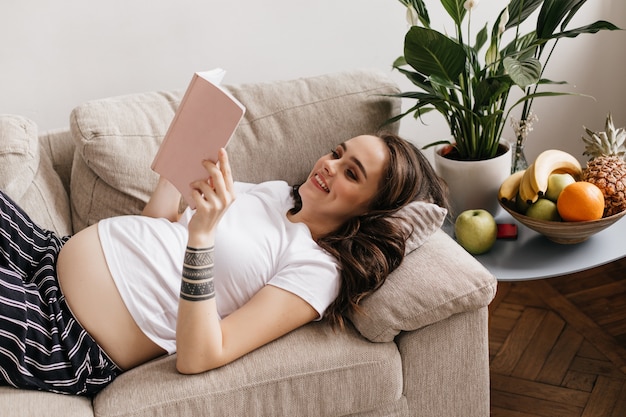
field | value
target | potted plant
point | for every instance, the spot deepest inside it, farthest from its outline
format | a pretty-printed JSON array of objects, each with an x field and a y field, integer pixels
[{"x": 468, "y": 76}]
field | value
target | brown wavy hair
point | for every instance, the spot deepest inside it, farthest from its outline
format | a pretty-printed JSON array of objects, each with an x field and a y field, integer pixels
[{"x": 369, "y": 247}]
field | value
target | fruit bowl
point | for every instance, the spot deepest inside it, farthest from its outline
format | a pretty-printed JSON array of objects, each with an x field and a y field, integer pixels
[{"x": 564, "y": 232}]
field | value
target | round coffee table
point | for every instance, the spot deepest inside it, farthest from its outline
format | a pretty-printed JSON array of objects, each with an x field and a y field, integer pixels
[{"x": 533, "y": 256}]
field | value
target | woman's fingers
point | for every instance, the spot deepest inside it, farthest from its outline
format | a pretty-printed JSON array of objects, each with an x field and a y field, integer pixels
[
  {"x": 219, "y": 185},
  {"x": 221, "y": 180},
  {"x": 224, "y": 165}
]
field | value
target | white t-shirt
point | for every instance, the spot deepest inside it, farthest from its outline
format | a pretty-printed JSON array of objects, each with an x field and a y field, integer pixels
[{"x": 255, "y": 245}]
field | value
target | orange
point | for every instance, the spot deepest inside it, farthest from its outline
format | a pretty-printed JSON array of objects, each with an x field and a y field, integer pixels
[{"x": 580, "y": 201}]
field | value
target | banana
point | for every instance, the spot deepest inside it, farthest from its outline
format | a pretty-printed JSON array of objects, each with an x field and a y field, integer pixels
[
  {"x": 548, "y": 162},
  {"x": 526, "y": 191},
  {"x": 510, "y": 186}
]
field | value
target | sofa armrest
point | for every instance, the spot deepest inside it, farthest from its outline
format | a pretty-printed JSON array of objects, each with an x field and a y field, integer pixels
[
  {"x": 434, "y": 282},
  {"x": 446, "y": 366}
]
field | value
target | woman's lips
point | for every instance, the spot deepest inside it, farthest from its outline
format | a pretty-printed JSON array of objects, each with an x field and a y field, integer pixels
[{"x": 319, "y": 181}]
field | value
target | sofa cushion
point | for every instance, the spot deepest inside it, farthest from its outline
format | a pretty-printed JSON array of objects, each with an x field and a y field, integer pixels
[
  {"x": 280, "y": 137},
  {"x": 433, "y": 282},
  {"x": 27, "y": 403},
  {"x": 116, "y": 139},
  {"x": 27, "y": 175},
  {"x": 307, "y": 372}
]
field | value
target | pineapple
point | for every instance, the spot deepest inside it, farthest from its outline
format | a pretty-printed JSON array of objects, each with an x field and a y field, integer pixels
[{"x": 606, "y": 167}]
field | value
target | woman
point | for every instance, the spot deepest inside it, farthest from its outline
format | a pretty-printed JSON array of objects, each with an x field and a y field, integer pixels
[{"x": 283, "y": 258}]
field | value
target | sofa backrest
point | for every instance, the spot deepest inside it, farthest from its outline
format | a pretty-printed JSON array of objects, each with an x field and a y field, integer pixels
[{"x": 287, "y": 126}]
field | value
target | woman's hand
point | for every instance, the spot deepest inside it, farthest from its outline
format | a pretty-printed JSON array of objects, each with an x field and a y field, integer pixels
[{"x": 212, "y": 198}]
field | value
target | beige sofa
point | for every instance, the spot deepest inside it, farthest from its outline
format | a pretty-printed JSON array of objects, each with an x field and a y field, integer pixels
[{"x": 420, "y": 349}]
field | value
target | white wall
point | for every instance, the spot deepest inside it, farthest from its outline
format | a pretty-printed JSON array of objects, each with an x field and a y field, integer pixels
[{"x": 55, "y": 55}]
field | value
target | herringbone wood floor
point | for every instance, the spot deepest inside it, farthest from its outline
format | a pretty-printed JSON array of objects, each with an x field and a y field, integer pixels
[{"x": 558, "y": 346}]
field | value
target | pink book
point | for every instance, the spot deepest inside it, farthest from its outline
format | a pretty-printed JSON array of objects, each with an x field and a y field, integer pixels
[{"x": 204, "y": 122}]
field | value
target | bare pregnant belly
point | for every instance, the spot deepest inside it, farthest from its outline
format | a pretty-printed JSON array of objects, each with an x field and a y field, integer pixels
[{"x": 92, "y": 296}]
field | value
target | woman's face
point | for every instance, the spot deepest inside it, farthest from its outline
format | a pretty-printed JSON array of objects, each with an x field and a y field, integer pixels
[{"x": 343, "y": 183}]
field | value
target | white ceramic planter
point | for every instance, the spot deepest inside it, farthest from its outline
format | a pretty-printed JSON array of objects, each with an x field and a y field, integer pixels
[{"x": 474, "y": 184}]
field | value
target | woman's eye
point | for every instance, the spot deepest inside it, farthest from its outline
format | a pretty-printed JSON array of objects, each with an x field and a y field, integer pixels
[{"x": 349, "y": 172}]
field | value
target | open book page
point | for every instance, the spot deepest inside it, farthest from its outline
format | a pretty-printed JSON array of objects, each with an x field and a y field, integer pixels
[{"x": 204, "y": 122}]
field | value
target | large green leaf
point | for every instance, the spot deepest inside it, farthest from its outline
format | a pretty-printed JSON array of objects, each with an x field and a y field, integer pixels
[
  {"x": 553, "y": 12},
  {"x": 571, "y": 14},
  {"x": 481, "y": 38},
  {"x": 455, "y": 9},
  {"x": 431, "y": 53},
  {"x": 417, "y": 79},
  {"x": 519, "y": 10},
  {"x": 532, "y": 96},
  {"x": 523, "y": 72},
  {"x": 424, "y": 99},
  {"x": 545, "y": 81},
  {"x": 491, "y": 89},
  {"x": 592, "y": 28},
  {"x": 441, "y": 104}
]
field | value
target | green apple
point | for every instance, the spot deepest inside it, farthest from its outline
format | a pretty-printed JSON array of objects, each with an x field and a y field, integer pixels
[
  {"x": 556, "y": 183},
  {"x": 476, "y": 230},
  {"x": 544, "y": 209}
]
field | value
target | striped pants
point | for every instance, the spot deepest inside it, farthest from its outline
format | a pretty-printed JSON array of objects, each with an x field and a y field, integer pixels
[{"x": 42, "y": 346}]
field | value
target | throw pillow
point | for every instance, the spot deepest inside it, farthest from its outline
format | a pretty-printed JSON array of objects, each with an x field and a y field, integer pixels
[
  {"x": 434, "y": 282},
  {"x": 422, "y": 219}
]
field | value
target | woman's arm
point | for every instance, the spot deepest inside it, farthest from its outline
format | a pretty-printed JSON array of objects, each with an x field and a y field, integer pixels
[
  {"x": 204, "y": 342},
  {"x": 164, "y": 201}
]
